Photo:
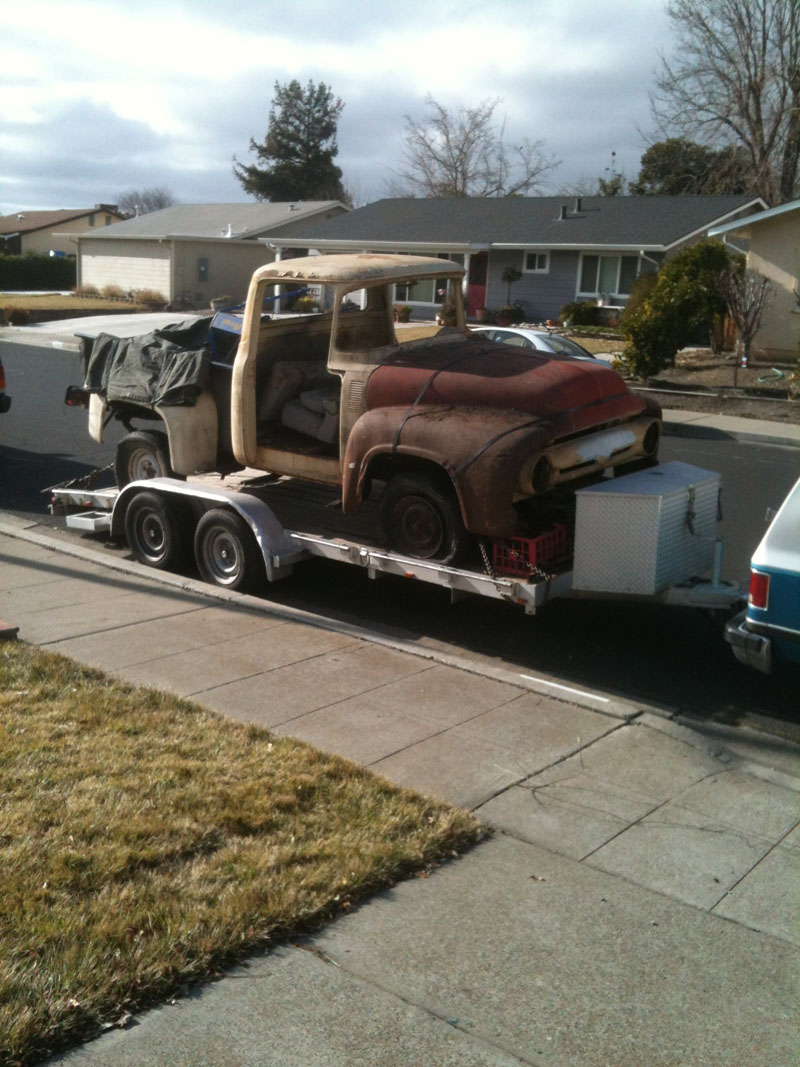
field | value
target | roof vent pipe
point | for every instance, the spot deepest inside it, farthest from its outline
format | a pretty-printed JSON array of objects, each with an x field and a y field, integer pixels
[
  {"x": 563, "y": 212},
  {"x": 578, "y": 205}
]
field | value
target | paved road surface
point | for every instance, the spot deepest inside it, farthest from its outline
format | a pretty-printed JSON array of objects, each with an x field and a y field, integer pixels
[{"x": 667, "y": 656}]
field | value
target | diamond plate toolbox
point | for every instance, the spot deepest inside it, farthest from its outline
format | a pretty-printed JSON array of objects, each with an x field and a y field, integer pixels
[{"x": 647, "y": 531}]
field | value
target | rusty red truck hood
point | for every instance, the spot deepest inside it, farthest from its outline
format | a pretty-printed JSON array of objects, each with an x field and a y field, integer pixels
[{"x": 579, "y": 394}]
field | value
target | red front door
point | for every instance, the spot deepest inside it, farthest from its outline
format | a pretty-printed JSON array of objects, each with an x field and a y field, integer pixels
[{"x": 476, "y": 283}]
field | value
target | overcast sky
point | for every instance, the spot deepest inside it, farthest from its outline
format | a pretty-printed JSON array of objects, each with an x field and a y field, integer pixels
[{"x": 100, "y": 98}]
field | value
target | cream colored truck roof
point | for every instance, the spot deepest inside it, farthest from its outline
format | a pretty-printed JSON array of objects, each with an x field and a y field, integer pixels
[{"x": 362, "y": 270}]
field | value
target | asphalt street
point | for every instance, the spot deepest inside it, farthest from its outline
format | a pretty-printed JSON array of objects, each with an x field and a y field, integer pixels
[{"x": 666, "y": 656}]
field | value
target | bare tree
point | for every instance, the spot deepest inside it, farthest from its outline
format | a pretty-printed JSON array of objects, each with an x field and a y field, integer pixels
[
  {"x": 748, "y": 295},
  {"x": 463, "y": 152},
  {"x": 735, "y": 81},
  {"x": 143, "y": 201}
]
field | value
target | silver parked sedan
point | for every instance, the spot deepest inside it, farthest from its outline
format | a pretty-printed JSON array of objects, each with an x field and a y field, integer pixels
[{"x": 543, "y": 340}]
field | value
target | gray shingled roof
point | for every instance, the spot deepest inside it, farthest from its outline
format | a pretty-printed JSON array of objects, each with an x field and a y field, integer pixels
[
  {"x": 212, "y": 220},
  {"x": 652, "y": 222},
  {"x": 29, "y": 221}
]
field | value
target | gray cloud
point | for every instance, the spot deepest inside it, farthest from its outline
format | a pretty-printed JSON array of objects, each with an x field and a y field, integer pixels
[{"x": 584, "y": 93}]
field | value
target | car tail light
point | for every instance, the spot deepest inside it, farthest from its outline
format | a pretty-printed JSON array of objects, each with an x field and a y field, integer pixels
[
  {"x": 2, "y": 379},
  {"x": 759, "y": 590}
]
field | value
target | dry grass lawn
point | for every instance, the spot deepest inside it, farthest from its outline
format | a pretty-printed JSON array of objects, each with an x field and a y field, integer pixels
[
  {"x": 55, "y": 302},
  {"x": 146, "y": 843}
]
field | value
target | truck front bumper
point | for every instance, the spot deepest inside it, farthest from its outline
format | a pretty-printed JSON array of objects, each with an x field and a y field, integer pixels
[{"x": 752, "y": 649}]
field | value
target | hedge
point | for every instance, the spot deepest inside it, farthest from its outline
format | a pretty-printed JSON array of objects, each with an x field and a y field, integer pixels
[{"x": 35, "y": 272}]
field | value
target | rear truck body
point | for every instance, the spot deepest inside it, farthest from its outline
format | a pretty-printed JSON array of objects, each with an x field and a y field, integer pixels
[
  {"x": 472, "y": 438},
  {"x": 767, "y": 630},
  {"x": 648, "y": 536}
]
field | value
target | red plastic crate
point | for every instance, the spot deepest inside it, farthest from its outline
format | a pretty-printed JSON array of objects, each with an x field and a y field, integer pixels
[{"x": 520, "y": 555}]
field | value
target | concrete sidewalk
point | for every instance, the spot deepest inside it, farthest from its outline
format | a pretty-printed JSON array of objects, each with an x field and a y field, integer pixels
[{"x": 637, "y": 903}]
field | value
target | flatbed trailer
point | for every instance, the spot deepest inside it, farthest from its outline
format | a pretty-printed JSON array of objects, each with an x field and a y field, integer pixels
[{"x": 647, "y": 536}]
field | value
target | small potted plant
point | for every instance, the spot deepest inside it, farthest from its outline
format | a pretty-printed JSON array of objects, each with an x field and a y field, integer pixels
[
  {"x": 482, "y": 314},
  {"x": 403, "y": 313},
  {"x": 509, "y": 276}
]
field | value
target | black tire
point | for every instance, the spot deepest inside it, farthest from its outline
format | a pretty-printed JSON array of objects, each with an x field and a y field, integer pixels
[
  {"x": 226, "y": 551},
  {"x": 421, "y": 518},
  {"x": 157, "y": 532},
  {"x": 142, "y": 454}
]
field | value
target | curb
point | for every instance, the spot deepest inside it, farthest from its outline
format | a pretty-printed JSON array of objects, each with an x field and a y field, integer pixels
[
  {"x": 681, "y": 428},
  {"x": 607, "y": 704},
  {"x": 602, "y": 703}
]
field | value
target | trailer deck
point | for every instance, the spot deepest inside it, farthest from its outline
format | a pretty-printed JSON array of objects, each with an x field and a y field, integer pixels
[{"x": 293, "y": 520}]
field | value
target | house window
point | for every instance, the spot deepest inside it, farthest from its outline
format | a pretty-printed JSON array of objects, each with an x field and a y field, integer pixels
[
  {"x": 628, "y": 273},
  {"x": 421, "y": 292},
  {"x": 91, "y": 220},
  {"x": 608, "y": 274},
  {"x": 537, "y": 262},
  {"x": 202, "y": 269}
]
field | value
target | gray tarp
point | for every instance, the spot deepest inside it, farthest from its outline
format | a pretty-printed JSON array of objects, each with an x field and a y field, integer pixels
[{"x": 167, "y": 366}]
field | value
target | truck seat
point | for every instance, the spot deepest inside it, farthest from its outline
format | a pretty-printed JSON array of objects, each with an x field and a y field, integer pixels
[
  {"x": 287, "y": 379},
  {"x": 314, "y": 412}
]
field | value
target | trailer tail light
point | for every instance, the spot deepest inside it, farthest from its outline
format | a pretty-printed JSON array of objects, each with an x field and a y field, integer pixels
[
  {"x": 76, "y": 397},
  {"x": 759, "y": 590},
  {"x": 2, "y": 379}
]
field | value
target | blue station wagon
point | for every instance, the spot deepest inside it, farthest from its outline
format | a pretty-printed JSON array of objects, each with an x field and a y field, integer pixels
[{"x": 768, "y": 630}]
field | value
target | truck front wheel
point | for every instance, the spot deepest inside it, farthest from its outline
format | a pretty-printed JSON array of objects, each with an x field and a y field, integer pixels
[
  {"x": 142, "y": 454},
  {"x": 422, "y": 519},
  {"x": 226, "y": 551},
  {"x": 156, "y": 533}
]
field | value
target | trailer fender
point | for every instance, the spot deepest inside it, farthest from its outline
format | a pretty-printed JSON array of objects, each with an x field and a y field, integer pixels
[
  {"x": 276, "y": 546},
  {"x": 98, "y": 405},
  {"x": 192, "y": 433}
]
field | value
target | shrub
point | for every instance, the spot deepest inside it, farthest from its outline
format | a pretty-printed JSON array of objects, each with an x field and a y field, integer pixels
[
  {"x": 580, "y": 313},
  {"x": 671, "y": 312},
  {"x": 32, "y": 271},
  {"x": 16, "y": 316},
  {"x": 305, "y": 305},
  {"x": 509, "y": 313},
  {"x": 404, "y": 313},
  {"x": 642, "y": 288},
  {"x": 88, "y": 291},
  {"x": 149, "y": 297},
  {"x": 113, "y": 292}
]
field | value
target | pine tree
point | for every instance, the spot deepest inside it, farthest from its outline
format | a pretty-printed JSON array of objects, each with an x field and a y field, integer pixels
[{"x": 295, "y": 161}]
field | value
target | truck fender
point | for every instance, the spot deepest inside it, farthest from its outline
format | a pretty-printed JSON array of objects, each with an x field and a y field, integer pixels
[
  {"x": 192, "y": 433},
  {"x": 485, "y": 450}
]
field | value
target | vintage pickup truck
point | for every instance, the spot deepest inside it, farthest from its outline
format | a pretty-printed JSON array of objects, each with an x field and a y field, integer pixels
[{"x": 468, "y": 437}]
